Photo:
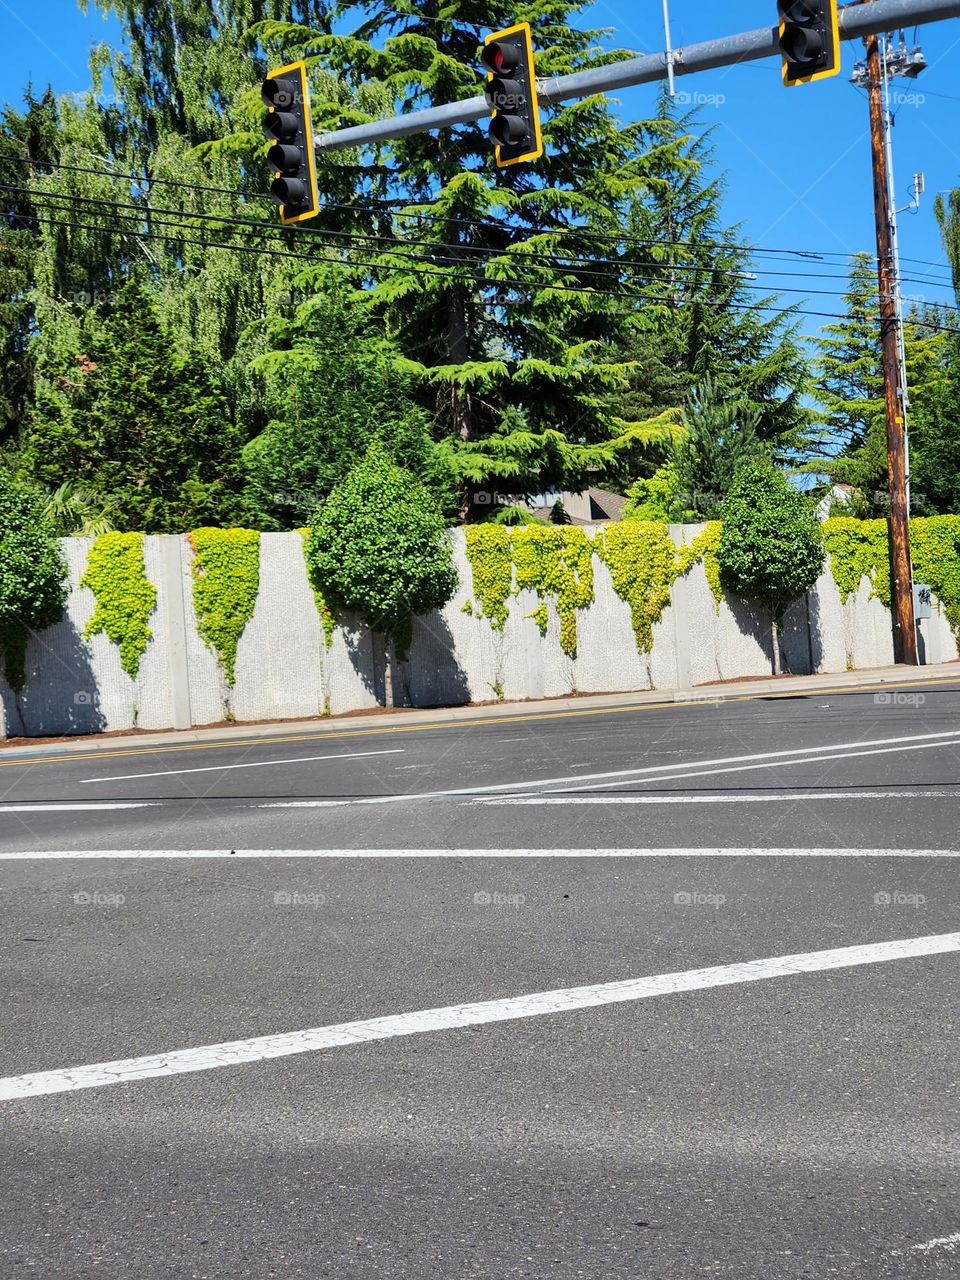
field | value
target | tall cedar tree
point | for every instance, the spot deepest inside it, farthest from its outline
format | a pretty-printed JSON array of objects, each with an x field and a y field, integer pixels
[
  {"x": 849, "y": 387},
  {"x": 499, "y": 289},
  {"x": 698, "y": 318},
  {"x": 137, "y": 425},
  {"x": 332, "y": 391}
]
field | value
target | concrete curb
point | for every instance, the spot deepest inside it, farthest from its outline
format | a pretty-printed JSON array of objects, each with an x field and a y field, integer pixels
[{"x": 743, "y": 690}]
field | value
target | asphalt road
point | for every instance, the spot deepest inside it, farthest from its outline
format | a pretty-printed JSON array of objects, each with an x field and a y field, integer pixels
[{"x": 749, "y": 1117}]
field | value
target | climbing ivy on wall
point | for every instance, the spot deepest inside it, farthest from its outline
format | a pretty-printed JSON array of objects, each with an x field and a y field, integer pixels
[
  {"x": 490, "y": 552},
  {"x": 556, "y": 563},
  {"x": 859, "y": 549},
  {"x": 125, "y": 597},
  {"x": 327, "y": 619},
  {"x": 226, "y": 579}
]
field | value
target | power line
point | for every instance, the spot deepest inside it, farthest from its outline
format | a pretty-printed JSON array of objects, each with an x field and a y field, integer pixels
[
  {"x": 161, "y": 218},
  {"x": 387, "y": 205},
  {"x": 455, "y": 252},
  {"x": 514, "y": 285}
]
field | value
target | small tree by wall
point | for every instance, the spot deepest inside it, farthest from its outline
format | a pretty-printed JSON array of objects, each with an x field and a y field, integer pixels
[
  {"x": 378, "y": 547},
  {"x": 32, "y": 573},
  {"x": 771, "y": 548}
]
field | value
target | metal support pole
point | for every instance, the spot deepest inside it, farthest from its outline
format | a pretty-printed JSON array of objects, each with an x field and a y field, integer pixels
[
  {"x": 901, "y": 572},
  {"x": 856, "y": 21},
  {"x": 671, "y": 82}
]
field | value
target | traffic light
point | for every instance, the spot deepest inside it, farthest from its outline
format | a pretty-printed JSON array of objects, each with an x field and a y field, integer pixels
[
  {"x": 809, "y": 40},
  {"x": 512, "y": 93},
  {"x": 287, "y": 124}
]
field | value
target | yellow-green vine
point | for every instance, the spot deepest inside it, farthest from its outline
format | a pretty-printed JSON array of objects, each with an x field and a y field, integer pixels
[
  {"x": 226, "y": 579},
  {"x": 556, "y": 563},
  {"x": 327, "y": 620},
  {"x": 704, "y": 547},
  {"x": 644, "y": 562},
  {"x": 116, "y": 575},
  {"x": 859, "y": 549},
  {"x": 491, "y": 559}
]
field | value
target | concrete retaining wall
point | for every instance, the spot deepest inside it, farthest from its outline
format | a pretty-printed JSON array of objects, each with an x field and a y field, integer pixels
[{"x": 286, "y": 671}]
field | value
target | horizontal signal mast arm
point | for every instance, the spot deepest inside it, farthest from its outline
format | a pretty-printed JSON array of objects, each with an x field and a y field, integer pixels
[{"x": 856, "y": 21}]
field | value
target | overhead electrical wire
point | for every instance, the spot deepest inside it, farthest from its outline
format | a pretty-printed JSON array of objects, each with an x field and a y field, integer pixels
[
  {"x": 455, "y": 255},
  {"x": 513, "y": 285},
  {"x": 408, "y": 213}
]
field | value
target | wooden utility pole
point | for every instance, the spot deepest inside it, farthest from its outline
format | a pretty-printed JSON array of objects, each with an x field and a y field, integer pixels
[{"x": 901, "y": 570}]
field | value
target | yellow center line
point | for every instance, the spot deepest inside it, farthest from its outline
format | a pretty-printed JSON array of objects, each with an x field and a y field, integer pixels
[{"x": 696, "y": 700}]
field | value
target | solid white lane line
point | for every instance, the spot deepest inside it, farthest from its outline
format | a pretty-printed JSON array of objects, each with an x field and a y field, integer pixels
[
  {"x": 251, "y": 764},
  {"x": 947, "y": 1243},
  {"x": 814, "y": 755},
  {"x": 233, "y": 1052},
  {"x": 119, "y": 855},
  {"x": 552, "y": 798},
  {"x": 771, "y": 764},
  {"x": 81, "y": 806}
]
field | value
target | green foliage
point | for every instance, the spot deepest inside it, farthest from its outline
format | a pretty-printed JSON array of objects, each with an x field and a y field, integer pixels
[
  {"x": 849, "y": 387},
  {"x": 698, "y": 316},
  {"x": 32, "y": 573},
  {"x": 226, "y": 579},
  {"x": 656, "y": 498},
  {"x": 557, "y": 563},
  {"x": 771, "y": 547},
  {"x": 116, "y": 575},
  {"x": 122, "y": 416},
  {"x": 720, "y": 438},
  {"x": 860, "y": 549},
  {"x": 327, "y": 619},
  {"x": 331, "y": 390},
  {"x": 378, "y": 547},
  {"x": 644, "y": 563}
]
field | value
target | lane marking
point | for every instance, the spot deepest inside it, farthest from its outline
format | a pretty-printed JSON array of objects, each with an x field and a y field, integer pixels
[
  {"x": 434, "y": 726},
  {"x": 947, "y": 1243},
  {"x": 71, "y": 855},
  {"x": 252, "y": 764},
  {"x": 233, "y": 1052},
  {"x": 80, "y": 806},
  {"x": 657, "y": 772},
  {"x": 777, "y": 797},
  {"x": 775, "y": 764}
]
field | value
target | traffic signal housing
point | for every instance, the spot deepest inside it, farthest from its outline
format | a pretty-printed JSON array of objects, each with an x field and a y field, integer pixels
[
  {"x": 512, "y": 93},
  {"x": 809, "y": 40},
  {"x": 287, "y": 124}
]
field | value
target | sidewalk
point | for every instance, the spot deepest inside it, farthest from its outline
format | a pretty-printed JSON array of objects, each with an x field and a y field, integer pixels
[{"x": 875, "y": 679}]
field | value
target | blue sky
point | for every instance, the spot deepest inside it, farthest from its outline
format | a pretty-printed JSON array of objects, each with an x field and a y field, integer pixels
[{"x": 761, "y": 128}]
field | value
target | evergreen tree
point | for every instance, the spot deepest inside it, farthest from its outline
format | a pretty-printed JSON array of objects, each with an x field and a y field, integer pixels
[
  {"x": 697, "y": 317},
  {"x": 27, "y": 138},
  {"x": 498, "y": 290},
  {"x": 332, "y": 391},
  {"x": 136, "y": 425},
  {"x": 849, "y": 387}
]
